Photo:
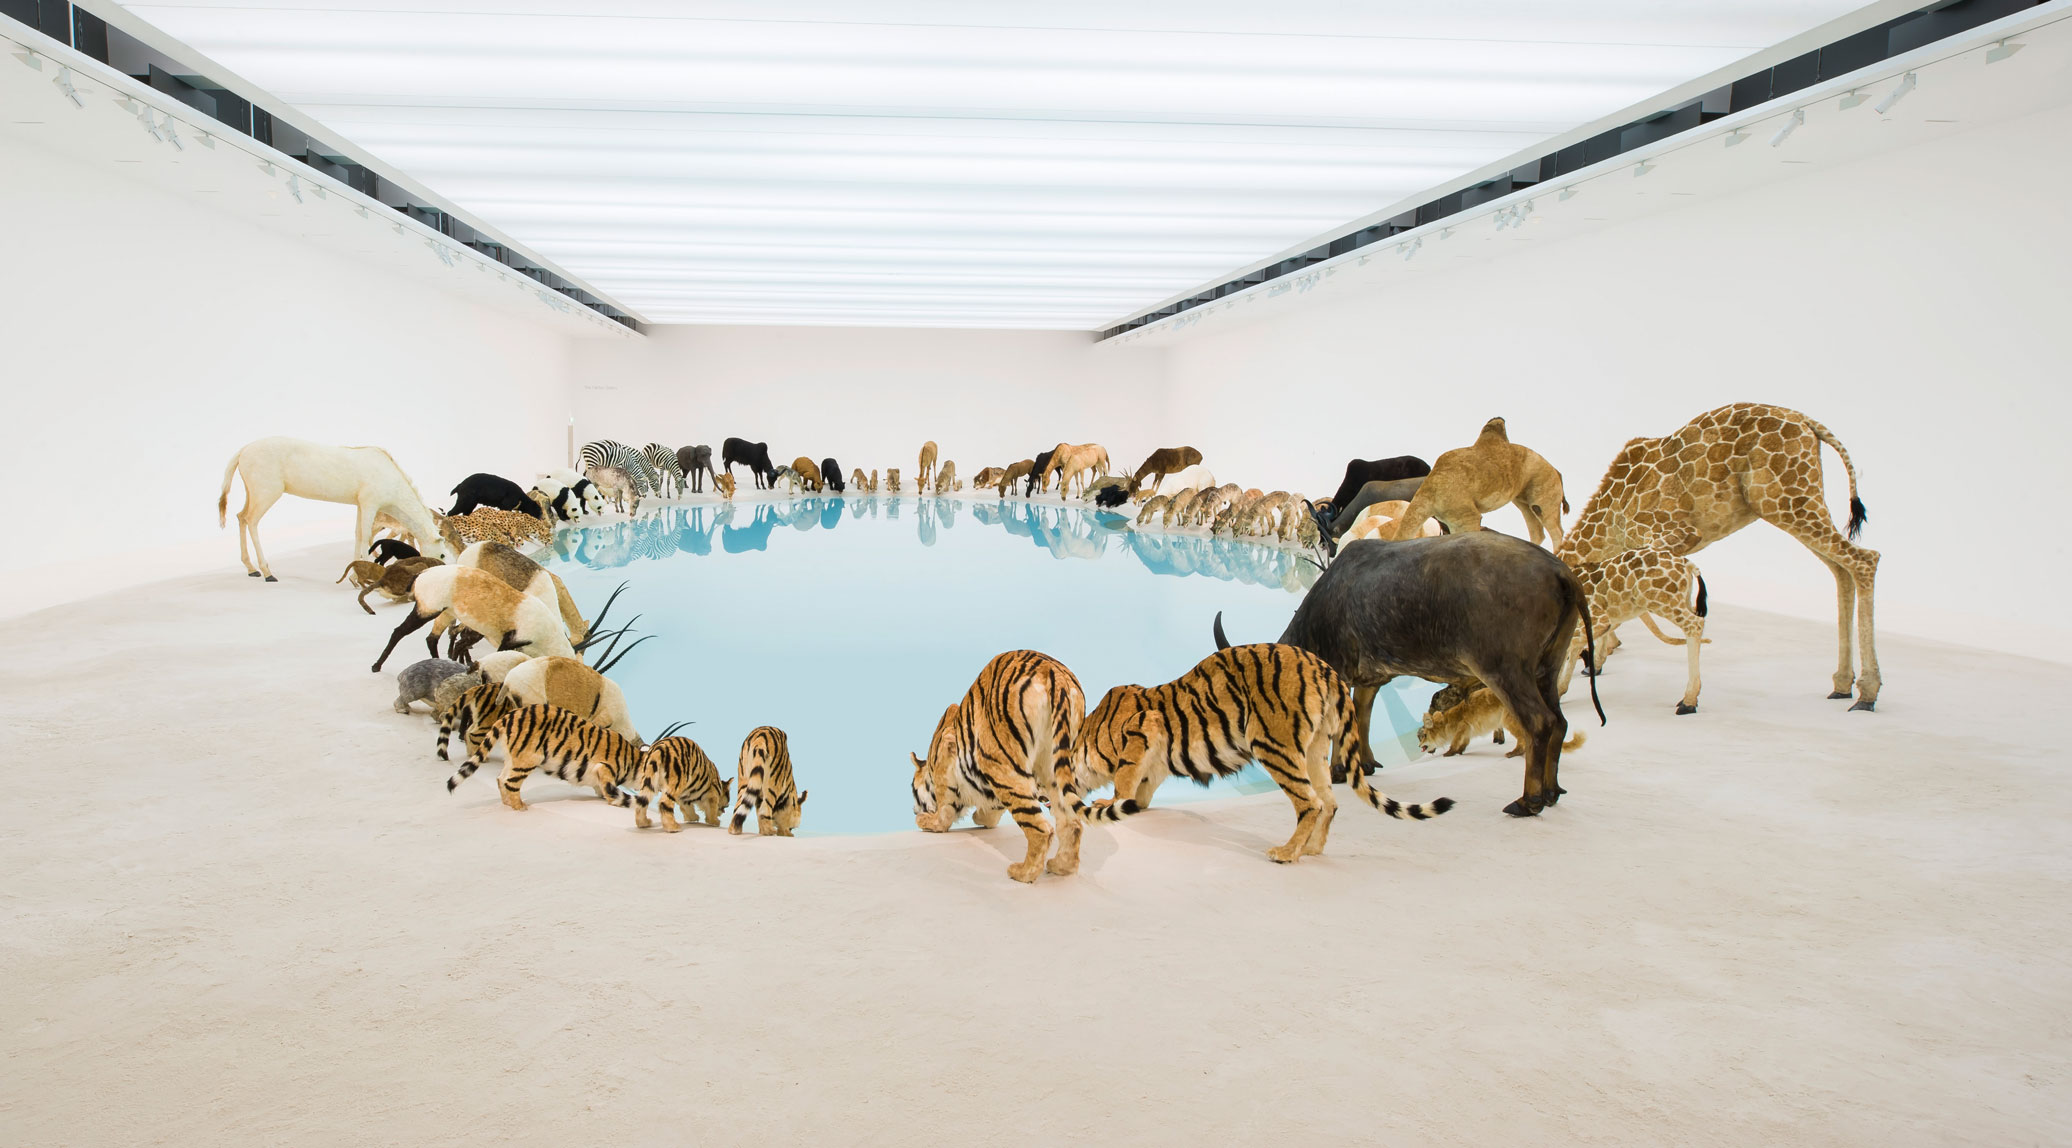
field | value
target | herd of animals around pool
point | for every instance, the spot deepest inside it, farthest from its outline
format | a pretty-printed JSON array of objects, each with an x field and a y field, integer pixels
[{"x": 1410, "y": 584}]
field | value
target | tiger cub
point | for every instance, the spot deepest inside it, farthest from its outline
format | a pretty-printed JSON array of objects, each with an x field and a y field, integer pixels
[
  {"x": 675, "y": 775},
  {"x": 1008, "y": 745},
  {"x": 564, "y": 745},
  {"x": 1274, "y": 704},
  {"x": 768, "y": 788},
  {"x": 471, "y": 715}
]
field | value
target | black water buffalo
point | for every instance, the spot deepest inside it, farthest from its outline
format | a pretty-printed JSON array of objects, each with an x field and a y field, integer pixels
[
  {"x": 1038, "y": 471},
  {"x": 753, "y": 455},
  {"x": 1338, "y": 518},
  {"x": 695, "y": 462},
  {"x": 1361, "y": 471},
  {"x": 492, "y": 490},
  {"x": 1481, "y": 607},
  {"x": 831, "y": 475}
]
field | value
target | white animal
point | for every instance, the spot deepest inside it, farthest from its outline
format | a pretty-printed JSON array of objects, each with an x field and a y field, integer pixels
[
  {"x": 1196, "y": 477},
  {"x": 363, "y": 476},
  {"x": 484, "y": 603}
]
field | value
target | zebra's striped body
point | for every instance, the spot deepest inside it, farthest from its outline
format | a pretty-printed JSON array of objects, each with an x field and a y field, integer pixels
[
  {"x": 542, "y": 737},
  {"x": 662, "y": 461},
  {"x": 1278, "y": 705},
  {"x": 768, "y": 788},
  {"x": 1008, "y": 745},
  {"x": 605, "y": 452}
]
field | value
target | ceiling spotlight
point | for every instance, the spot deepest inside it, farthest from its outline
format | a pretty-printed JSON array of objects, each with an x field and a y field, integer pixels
[
  {"x": 1642, "y": 168},
  {"x": 1567, "y": 193},
  {"x": 1737, "y": 136},
  {"x": 360, "y": 211},
  {"x": 129, "y": 105},
  {"x": 2002, "y": 51},
  {"x": 1791, "y": 125},
  {"x": 1906, "y": 84},
  {"x": 266, "y": 165},
  {"x": 1411, "y": 249},
  {"x": 151, "y": 127},
  {"x": 295, "y": 187},
  {"x": 208, "y": 141},
  {"x": 1446, "y": 233},
  {"x": 1856, "y": 96},
  {"x": 171, "y": 136},
  {"x": 28, "y": 56},
  {"x": 319, "y": 189}
]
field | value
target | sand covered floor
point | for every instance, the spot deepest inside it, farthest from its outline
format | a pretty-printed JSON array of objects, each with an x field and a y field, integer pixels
[{"x": 240, "y": 907}]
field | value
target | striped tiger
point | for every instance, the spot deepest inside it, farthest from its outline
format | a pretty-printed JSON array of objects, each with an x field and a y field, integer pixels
[
  {"x": 605, "y": 452},
  {"x": 1278, "y": 705},
  {"x": 1009, "y": 745},
  {"x": 471, "y": 715},
  {"x": 544, "y": 737},
  {"x": 675, "y": 774},
  {"x": 662, "y": 461},
  {"x": 768, "y": 788}
]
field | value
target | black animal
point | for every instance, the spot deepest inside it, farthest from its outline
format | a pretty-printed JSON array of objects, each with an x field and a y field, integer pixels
[
  {"x": 1111, "y": 496},
  {"x": 831, "y": 475},
  {"x": 492, "y": 490},
  {"x": 696, "y": 463},
  {"x": 387, "y": 550},
  {"x": 1458, "y": 608},
  {"x": 753, "y": 455},
  {"x": 1337, "y": 518},
  {"x": 1036, "y": 472},
  {"x": 1361, "y": 471}
]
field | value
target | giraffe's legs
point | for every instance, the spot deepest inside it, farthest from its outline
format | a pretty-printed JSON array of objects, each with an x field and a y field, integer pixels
[
  {"x": 1855, "y": 568},
  {"x": 1845, "y": 617}
]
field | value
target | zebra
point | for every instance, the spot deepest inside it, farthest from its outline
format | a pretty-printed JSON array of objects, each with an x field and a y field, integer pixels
[
  {"x": 662, "y": 461},
  {"x": 605, "y": 452}
]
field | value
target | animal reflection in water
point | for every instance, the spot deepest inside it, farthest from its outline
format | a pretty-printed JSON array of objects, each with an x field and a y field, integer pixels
[{"x": 1064, "y": 532}]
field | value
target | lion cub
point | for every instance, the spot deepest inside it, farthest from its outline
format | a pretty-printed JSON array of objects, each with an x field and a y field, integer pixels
[{"x": 1456, "y": 726}]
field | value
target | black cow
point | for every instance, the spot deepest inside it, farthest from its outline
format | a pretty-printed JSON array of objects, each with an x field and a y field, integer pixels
[
  {"x": 696, "y": 463},
  {"x": 492, "y": 490},
  {"x": 1036, "y": 472},
  {"x": 1481, "y": 607},
  {"x": 753, "y": 455},
  {"x": 1361, "y": 471},
  {"x": 831, "y": 475}
]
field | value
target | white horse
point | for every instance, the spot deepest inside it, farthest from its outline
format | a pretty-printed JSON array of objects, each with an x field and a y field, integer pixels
[{"x": 364, "y": 476}]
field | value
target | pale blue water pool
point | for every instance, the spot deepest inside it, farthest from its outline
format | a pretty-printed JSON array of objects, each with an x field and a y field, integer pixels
[{"x": 851, "y": 622}]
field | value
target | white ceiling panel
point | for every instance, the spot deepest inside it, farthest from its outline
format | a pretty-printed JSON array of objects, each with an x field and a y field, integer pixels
[{"x": 950, "y": 164}]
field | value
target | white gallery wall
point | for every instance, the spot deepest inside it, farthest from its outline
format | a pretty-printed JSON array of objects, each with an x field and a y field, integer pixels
[
  {"x": 148, "y": 336},
  {"x": 871, "y": 396},
  {"x": 1913, "y": 301}
]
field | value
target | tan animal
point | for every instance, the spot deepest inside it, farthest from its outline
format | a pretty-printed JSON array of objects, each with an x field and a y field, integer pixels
[
  {"x": 1081, "y": 463},
  {"x": 768, "y": 787},
  {"x": 1153, "y": 509},
  {"x": 1164, "y": 461},
  {"x": 1014, "y": 473},
  {"x": 860, "y": 483},
  {"x": 615, "y": 484},
  {"x": 1379, "y": 521},
  {"x": 538, "y": 737},
  {"x": 874, "y": 482},
  {"x": 1469, "y": 482},
  {"x": 809, "y": 474},
  {"x": 1179, "y": 508},
  {"x": 946, "y": 479},
  {"x": 1456, "y": 726},
  {"x": 1211, "y": 503},
  {"x": 675, "y": 776},
  {"x": 484, "y": 604},
  {"x": 892, "y": 480},
  {"x": 987, "y": 477},
  {"x": 522, "y": 573},
  {"x": 1718, "y": 473},
  {"x": 363, "y": 476},
  {"x": 1237, "y": 511},
  {"x": 488, "y": 524},
  {"x": 725, "y": 485},
  {"x": 924, "y": 476},
  {"x": 566, "y": 683},
  {"x": 395, "y": 579}
]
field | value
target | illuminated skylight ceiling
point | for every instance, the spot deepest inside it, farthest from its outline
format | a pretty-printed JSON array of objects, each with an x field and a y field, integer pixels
[{"x": 945, "y": 163}]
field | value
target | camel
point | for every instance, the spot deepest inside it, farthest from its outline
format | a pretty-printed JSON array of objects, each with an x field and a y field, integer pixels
[
  {"x": 925, "y": 475},
  {"x": 364, "y": 476},
  {"x": 1471, "y": 481},
  {"x": 1164, "y": 461},
  {"x": 1718, "y": 473}
]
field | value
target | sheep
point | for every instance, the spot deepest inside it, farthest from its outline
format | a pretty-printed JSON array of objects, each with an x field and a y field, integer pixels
[{"x": 435, "y": 680}]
